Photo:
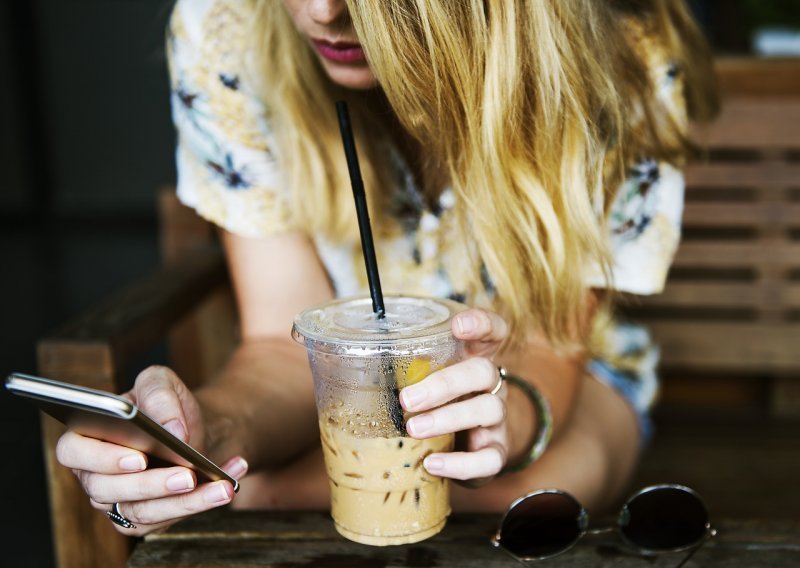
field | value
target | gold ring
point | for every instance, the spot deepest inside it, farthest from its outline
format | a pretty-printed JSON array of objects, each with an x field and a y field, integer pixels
[{"x": 501, "y": 375}]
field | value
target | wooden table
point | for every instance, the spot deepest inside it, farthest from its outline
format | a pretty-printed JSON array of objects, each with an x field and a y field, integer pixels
[{"x": 235, "y": 538}]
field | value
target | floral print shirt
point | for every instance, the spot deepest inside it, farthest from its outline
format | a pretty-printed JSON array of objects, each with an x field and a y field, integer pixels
[{"x": 226, "y": 172}]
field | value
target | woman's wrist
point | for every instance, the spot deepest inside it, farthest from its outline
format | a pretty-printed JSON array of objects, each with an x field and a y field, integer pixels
[
  {"x": 532, "y": 435},
  {"x": 223, "y": 434},
  {"x": 521, "y": 420}
]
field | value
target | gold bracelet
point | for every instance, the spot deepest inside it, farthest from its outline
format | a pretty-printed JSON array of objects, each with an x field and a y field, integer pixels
[{"x": 544, "y": 422}]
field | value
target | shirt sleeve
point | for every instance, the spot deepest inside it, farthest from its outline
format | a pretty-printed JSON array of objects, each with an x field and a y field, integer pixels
[
  {"x": 645, "y": 228},
  {"x": 225, "y": 168},
  {"x": 645, "y": 215}
]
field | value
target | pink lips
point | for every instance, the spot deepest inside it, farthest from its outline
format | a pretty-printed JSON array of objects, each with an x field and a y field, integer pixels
[{"x": 340, "y": 52}]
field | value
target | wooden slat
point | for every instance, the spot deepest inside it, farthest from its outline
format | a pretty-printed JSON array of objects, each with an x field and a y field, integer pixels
[
  {"x": 307, "y": 539},
  {"x": 766, "y": 175},
  {"x": 731, "y": 254},
  {"x": 89, "y": 365},
  {"x": 201, "y": 342},
  {"x": 791, "y": 294},
  {"x": 763, "y": 122},
  {"x": 721, "y": 214},
  {"x": 71, "y": 514},
  {"x": 92, "y": 350},
  {"x": 733, "y": 346},
  {"x": 715, "y": 294},
  {"x": 180, "y": 229},
  {"x": 177, "y": 288},
  {"x": 759, "y": 76},
  {"x": 723, "y": 393},
  {"x": 135, "y": 318}
]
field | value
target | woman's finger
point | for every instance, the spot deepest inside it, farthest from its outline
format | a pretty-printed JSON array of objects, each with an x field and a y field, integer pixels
[
  {"x": 483, "y": 331},
  {"x": 477, "y": 374},
  {"x": 236, "y": 467},
  {"x": 481, "y": 411},
  {"x": 150, "y": 484},
  {"x": 482, "y": 463},
  {"x": 81, "y": 452},
  {"x": 155, "y": 511},
  {"x": 136, "y": 530},
  {"x": 156, "y": 394}
]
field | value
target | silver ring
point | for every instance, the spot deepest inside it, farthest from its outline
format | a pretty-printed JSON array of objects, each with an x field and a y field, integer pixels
[
  {"x": 501, "y": 376},
  {"x": 118, "y": 518}
]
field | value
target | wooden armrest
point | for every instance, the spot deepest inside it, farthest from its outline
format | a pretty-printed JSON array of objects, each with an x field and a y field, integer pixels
[{"x": 93, "y": 348}]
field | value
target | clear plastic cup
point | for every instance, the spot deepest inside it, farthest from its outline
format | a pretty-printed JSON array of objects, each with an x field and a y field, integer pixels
[{"x": 380, "y": 492}]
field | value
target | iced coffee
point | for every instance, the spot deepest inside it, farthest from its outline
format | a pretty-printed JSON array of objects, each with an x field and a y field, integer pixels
[{"x": 381, "y": 493}]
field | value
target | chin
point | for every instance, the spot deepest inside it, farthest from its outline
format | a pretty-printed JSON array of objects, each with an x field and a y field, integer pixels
[{"x": 359, "y": 78}]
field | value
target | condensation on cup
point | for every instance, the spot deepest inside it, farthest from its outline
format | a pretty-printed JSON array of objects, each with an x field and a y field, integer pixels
[{"x": 380, "y": 492}]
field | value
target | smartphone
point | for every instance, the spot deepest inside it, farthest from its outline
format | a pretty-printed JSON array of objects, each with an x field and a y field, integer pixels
[{"x": 105, "y": 416}]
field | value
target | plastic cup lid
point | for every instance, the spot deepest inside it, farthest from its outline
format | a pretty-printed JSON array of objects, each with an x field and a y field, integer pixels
[{"x": 348, "y": 326}]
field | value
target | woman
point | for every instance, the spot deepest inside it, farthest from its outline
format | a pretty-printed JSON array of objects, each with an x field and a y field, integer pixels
[{"x": 521, "y": 157}]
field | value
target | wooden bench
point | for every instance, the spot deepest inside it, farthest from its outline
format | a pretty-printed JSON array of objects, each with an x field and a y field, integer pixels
[
  {"x": 728, "y": 322},
  {"x": 731, "y": 305}
]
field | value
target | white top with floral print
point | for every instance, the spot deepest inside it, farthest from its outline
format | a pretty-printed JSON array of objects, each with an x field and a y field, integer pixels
[{"x": 227, "y": 174}]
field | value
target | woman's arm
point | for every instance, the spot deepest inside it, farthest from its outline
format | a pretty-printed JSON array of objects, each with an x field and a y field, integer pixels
[
  {"x": 556, "y": 374},
  {"x": 595, "y": 440},
  {"x": 262, "y": 405},
  {"x": 498, "y": 429}
]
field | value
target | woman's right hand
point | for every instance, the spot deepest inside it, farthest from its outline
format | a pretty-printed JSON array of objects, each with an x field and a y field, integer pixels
[{"x": 152, "y": 499}]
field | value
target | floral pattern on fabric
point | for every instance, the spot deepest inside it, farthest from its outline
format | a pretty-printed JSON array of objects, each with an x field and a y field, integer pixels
[
  {"x": 228, "y": 174},
  {"x": 225, "y": 169}
]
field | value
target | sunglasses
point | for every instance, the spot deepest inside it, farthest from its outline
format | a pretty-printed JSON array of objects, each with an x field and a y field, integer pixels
[{"x": 654, "y": 520}]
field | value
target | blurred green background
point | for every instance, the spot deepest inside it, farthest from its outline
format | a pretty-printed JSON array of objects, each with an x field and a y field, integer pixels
[{"x": 771, "y": 13}]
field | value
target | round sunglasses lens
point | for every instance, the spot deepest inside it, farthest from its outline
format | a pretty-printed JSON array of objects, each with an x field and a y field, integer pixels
[
  {"x": 664, "y": 518},
  {"x": 541, "y": 525}
]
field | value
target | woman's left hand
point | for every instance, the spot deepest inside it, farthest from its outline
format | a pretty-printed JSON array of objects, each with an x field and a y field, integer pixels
[{"x": 458, "y": 399}]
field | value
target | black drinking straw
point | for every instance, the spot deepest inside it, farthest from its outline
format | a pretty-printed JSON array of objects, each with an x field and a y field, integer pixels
[{"x": 367, "y": 246}]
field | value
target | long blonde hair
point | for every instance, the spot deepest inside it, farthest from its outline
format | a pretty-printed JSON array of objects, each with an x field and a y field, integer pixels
[{"x": 517, "y": 104}]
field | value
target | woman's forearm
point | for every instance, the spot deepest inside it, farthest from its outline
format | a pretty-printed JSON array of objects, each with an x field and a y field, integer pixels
[
  {"x": 592, "y": 458},
  {"x": 262, "y": 405},
  {"x": 557, "y": 377},
  {"x": 556, "y": 374}
]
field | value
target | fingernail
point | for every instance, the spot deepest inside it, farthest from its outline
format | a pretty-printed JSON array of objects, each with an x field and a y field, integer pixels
[
  {"x": 217, "y": 492},
  {"x": 466, "y": 324},
  {"x": 133, "y": 462},
  {"x": 413, "y": 396},
  {"x": 434, "y": 464},
  {"x": 175, "y": 428},
  {"x": 237, "y": 468},
  {"x": 420, "y": 424},
  {"x": 180, "y": 481}
]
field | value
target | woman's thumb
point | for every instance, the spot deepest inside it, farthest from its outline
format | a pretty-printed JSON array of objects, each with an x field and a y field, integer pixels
[{"x": 156, "y": 394}]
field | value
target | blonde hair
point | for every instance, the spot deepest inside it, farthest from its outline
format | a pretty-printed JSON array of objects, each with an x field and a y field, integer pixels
[
  {"x": 299, "y": 99},
  {"x": 517, "y": 104}
]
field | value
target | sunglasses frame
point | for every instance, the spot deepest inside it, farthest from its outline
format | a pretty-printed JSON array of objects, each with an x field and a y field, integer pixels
[{"x": 583, "y": 524}]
